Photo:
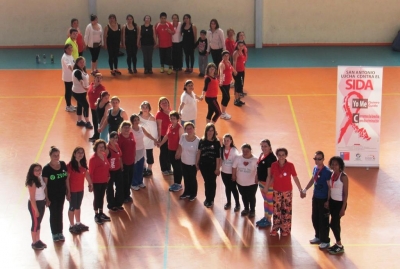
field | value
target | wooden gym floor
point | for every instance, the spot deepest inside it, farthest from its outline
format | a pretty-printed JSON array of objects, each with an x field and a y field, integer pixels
[{"x": 293, "y": 107}]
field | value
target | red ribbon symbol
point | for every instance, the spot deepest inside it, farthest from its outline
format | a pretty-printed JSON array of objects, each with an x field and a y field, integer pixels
[{"x": 361, "y": 131}]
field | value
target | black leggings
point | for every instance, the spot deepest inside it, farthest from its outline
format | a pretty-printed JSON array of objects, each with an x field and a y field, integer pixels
[
  {"x": 94, "y": 52},
  {"x": 113, "y": 51},
  {"x": 127, "y": 175},
  {"x": 115, "y": 199},
  {"x": 68, "y": 92},
  {"x": 95, "y": 121},
  {"x": 239, "y": 82},
  {"x": 189, "y": 177},
  {"x": 56, "y": 212},
  {"x": 82, "y": 104},
  {"x": 177, "y": 55},
  {"x": 334, "y": 208},
  {"x": 165, "y": 164},
  {"x": 165, "y": 56},
  {"x": 189, "y": 57},
  {"x": 149, "y": 156},
  {"x": 214, "y": 111},
  {"x": 225, "y": 95},
  {"x": 41, "y": 205},
  {"x": 99, "y": 190},
  {"x": 320, "y": 219},
  {"x": 131, "y": 52},
  {"x": 176, "y": 165},
  {"x": 210, "y": 180},
  {"x": 248, "y": 194},
  {"x": 230, "y": 187},
  {"x": 216, "y": 56}
]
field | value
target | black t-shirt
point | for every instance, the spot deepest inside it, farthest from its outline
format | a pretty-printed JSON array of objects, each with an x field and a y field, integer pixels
[
  {"x": 210, "y": 150},
  {"x": 56, "y": 179},
  {"x": 146, "y": 35},
  {"x": 201, "y": 44},
  {"x": 263, "y": 165}
]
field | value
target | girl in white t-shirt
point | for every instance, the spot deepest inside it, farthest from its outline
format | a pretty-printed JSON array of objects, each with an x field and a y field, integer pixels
[
  {"x": 148, "y": 121},
  {"x": 67, "y": 65},
  {"x": 36, "y": 202},
  {"x": 244, "y": 171},
  {"x": 188, "y": 106},
  {"x": 229, "y": 153}
]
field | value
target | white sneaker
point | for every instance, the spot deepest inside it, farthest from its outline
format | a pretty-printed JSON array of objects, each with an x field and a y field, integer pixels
[
  {"x": 135, "y": 188},
  {"x": 69, "y": 109},
  {"x": 324, "y": 245},
  {"x": 315, "y": 240},
  {"x": 225, "y": 116},
  {"x": 142, "y": 186}
]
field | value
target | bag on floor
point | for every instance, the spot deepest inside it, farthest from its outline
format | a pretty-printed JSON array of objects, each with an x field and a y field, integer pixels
[{"x": 396, "y": 43}]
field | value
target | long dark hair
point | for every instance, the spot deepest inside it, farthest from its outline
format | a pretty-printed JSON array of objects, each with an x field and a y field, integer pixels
[
  {"x": 31, "y": 178},
  {"x": 133, "y": 20},
  {"x": 76, "y": 64},
  {"x": 208, "y": 127},
  {"x": 74, "y": 163},
  {"x": 184, "y": 23},
  {"x": 223, "y": 144},
  {"x": 237, "y": 46}
]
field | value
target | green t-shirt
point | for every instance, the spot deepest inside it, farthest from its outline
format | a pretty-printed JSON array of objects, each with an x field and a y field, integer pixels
[{"x": 75, "y": 52}]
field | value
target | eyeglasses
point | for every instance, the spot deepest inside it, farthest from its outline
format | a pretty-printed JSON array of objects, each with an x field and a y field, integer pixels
[{"x": 317, "y": 159}]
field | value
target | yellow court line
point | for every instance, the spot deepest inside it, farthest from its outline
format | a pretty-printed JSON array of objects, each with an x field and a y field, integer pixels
[
  {"x": 240, "y": 246},
  {"x": 48, "y": 130},
  {"x": 299, "y": 135}
]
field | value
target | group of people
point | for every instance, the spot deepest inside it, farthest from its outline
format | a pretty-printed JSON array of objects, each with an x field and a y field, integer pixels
[{"x": 120, "y": 163}]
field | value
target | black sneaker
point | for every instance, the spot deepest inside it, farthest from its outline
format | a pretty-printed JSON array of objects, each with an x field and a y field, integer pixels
[
  {"x": 237, "y": 208},
  {"x": 184, "y": 196},
  {"x": 88, "y": 125},
  {"x": 81, "y": 123},
  {"x": 241, "y": 102},
  {"x": 146, "y": 71},
  {"x": 82, "y": 227},
  {"x": 336, "y": 250},
  {"x": 244, "y": 212},
  {"x": 135, "y": 70},
  {"x": 192, "y": 198},
  {"x": 74, "y": 230},
  {"x": 236, "y": 103},
  {"x": 130, "y": 71},
  {"x": 147, "y": 173},
  {"x": 43, "y": 244},
  {"x": 37, "y": 246},
  {"x": 209, "y": 204},
  {"x": 227, "y": 206},
  {"x": 252, "y": 214},
  {"x": 150, "y": 71},
  {"x": 104, "y": 217},
  {"x": 113, "y": 209},
  {"x": 98, "y": 219}
]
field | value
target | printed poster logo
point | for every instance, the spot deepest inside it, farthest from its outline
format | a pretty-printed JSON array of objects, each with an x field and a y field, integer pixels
[{"x": 345, "y": 156}]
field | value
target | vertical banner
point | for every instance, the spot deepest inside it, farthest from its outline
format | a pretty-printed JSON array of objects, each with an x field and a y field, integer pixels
[{"x": 358, "y": 115}]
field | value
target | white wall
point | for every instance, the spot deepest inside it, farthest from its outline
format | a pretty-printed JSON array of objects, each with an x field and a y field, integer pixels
[
  {"x": 44, "y": 22},
  {"x": 337, "y": 21}
]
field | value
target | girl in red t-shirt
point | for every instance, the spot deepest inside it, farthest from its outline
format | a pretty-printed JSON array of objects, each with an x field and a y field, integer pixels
[
  {"x": 77, "y": 172},
  {"x": 281, "y": 173},
  {"x": 225, "y": 70},
  {"x": 163, "y": 121},
  {"x": 239, "y": 61},
  {"x": 210, "y": 92}
]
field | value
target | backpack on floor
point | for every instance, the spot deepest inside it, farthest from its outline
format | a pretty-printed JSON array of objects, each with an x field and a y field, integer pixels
[{"x": 396, "y": 43}]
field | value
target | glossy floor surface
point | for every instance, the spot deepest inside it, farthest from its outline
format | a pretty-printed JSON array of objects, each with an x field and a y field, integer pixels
[{"x": 294, "y": 108}]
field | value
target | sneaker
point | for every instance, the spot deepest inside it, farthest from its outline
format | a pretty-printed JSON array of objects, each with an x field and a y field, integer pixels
[
  {"x": 237, "y": 208},
  {"x": 43, "y": 244},
  {"x": 130, "y": 71},
  {"x": 173, "y": 187},
  {"x": 74, "y": 229},
  {"x": 241, "y": 102},
  {"x": 88, "y": 125},
  {"x": 92, "y": 139},
  {"x": 332, "y": 247},
  {"x": 264, "y": 224},
  {"x": 252, "y": 214},
  {"x": 134, "y": 70},
  {"x": 82, "y": 227},
  {"x": 192, "y": 198},
  {"x": 69, "y": 109},
  {"x": 146, "y": 71},
  {"x": 150, "y": 71},
  {"x": 264, "y": 219},
  {"x": 208, "y": 204},
  {"x": 165, "y": 173},
  {"x": 315, "y": 240},
  {"x": 324, "y": 245},
  {"x": 147, "y": 173},
  {"x": 135, "y": 188},
  {"x": 236, "y": 103},
  {"x": 37, "y": 246},
  {"x": 337, "y": 250},
  {"x": 184, "y": 196},
  {"x": 56, "y": 238},
  {"x": 244, "y": 212},
  {"x": 169, "y": 71},
  {"x": 61, "y": 237},
  {"x": 113, "y": 209},
  {"x": 104, "y": 217},
  {"x": 227, "y": 206},
  {"x": 97, "y": 219},
  {"x": 178, "y": 187},
  {"x": 81, "y": 123},
  {"x": 142, "y": 186},
  {"x": 273, "y": 233},
  {"x": 171, "y": 172},
  {"x": 162, "y": 70},
  {"x": 225, "y": 116},
  {"x": 117, "y": 72}
]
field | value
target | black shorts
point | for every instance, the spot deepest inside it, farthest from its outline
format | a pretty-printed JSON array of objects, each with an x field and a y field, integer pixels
[
  {"x": 75, "y": 201},
  {"x": 149, "y": 156}
]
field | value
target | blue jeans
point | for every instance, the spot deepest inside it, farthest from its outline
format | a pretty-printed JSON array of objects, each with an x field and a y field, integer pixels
[
  {"x": 138, "y": 173},
  {"x": 183, "y": 122},
  {"x": 104, "y": 134}
]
